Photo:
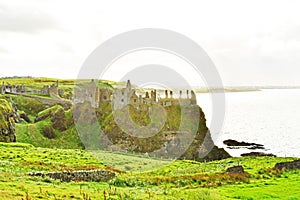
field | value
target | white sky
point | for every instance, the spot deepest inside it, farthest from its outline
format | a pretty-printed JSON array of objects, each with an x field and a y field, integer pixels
[{"x": 250, "y": 42}]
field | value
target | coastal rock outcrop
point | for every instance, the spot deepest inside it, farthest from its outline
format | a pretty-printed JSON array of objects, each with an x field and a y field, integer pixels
[
  {"x": 255, "y": 154},
  {"x": 233, "y": 144},
  {"x": 171, "y": 139}
]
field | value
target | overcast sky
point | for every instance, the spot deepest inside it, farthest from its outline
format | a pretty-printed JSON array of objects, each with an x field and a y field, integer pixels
[{"x": 250, "y": 42}]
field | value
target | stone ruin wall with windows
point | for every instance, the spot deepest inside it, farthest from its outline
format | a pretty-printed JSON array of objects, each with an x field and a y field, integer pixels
[{"x": 120, "y": 97}]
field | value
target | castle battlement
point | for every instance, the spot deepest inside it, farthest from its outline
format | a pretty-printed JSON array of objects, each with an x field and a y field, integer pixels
[{"x": 128, "y": 95}]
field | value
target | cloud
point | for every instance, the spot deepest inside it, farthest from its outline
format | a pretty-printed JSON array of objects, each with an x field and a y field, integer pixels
[
  {"x": 293, "y": 33},
  {"x": 3, "y": 50},
  {"x": 25, "y": 20},
  {"x": 66, "y": 48}
]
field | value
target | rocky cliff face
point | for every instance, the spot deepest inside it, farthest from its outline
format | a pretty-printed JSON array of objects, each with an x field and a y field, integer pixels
[
  {"x": 177, "y": 132},
  {"x": 7, "y": 122}
]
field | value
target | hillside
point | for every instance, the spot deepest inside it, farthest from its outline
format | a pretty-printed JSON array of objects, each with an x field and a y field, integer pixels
[{"x": 47, "y": 120}]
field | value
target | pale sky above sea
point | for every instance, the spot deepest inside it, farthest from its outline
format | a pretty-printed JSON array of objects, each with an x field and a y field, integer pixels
[{"x": 253, "y": 42}]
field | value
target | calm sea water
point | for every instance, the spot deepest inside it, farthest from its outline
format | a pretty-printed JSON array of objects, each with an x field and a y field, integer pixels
[{"x": 269, "y": 117}]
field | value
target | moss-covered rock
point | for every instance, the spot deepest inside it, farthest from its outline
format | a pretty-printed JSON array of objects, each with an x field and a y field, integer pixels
[
  {"x": 48, "y": 132},
  {"x": 7, "y": 122},
  {"x": 24, "y": 116}
]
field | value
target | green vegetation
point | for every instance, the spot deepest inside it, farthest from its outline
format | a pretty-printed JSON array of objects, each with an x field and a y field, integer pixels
[
  {"x": 37, "y": 83},
  {"x": 178, "y": 180},
  {"x": 48, "y": 141},
  {"x": 56, "y": 120},
  {"x": 7, "y": 121}
]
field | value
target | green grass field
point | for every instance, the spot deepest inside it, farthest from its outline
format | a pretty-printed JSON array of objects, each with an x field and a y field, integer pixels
[{"x": 168, "y": 180}]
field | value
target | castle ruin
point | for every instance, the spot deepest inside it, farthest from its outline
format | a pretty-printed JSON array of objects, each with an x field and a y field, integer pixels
[
  {"x": 121, "y": 97},
  {"x": 91, "y": 93},
  {"x": 128, "y": 95},
  {"x": 8, "y": 88}
]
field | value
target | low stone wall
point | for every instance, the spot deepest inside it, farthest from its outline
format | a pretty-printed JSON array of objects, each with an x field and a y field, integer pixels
[
  {"x": 82, "y": 175},
  {"x": 288, "y": 165}
]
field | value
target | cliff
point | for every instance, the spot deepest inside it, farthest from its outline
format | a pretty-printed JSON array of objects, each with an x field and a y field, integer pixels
[
  {"x": 7, "y": 122},
  {"x": 177, "y": 132}
]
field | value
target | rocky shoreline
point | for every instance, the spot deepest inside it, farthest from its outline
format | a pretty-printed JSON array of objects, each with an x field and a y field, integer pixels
[{"x": 233, "y": 144}]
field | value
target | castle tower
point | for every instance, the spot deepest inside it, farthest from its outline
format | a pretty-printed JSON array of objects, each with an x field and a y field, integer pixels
[
  {"x": 193, "y": 98},
  {"x": 171, "y": 94},
  {"x": 121, "y": 96},
  {"x": 153, "y": 96},
  {"x": 128, "y": 85}
]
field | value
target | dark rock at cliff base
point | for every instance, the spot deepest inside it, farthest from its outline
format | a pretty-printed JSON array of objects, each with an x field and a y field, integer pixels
[
  {"x": 255, "y": 154},
  {"x": 235, "y": 144},
  {"x": 235, "y": 170},
  {"x": 288, "y": 165}
]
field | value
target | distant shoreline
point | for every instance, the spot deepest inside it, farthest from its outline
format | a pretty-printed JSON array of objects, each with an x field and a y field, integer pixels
[{"x": 244, "y": 89}]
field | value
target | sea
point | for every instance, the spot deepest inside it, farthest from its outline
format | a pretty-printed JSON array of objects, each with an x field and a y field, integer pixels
[{"x": 270, "y": 117}]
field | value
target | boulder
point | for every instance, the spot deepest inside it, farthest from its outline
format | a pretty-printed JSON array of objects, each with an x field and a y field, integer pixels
[
  {"x": 288, "y": 165},
  {"x": 235, "y": 170}
]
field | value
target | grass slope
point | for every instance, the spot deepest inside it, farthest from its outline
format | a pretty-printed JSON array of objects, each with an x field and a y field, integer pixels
[{"x": 178, "y": 180}]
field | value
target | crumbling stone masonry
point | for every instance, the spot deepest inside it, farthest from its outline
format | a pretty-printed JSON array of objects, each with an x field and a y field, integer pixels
[
  {"x": 82, "y": 175},
  {"x": 127, "y": 95},
  {"x": 8, "y": 88}
]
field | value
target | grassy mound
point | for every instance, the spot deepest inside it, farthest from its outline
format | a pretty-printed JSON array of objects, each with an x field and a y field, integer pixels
[{"x": 54, "y": 129}]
